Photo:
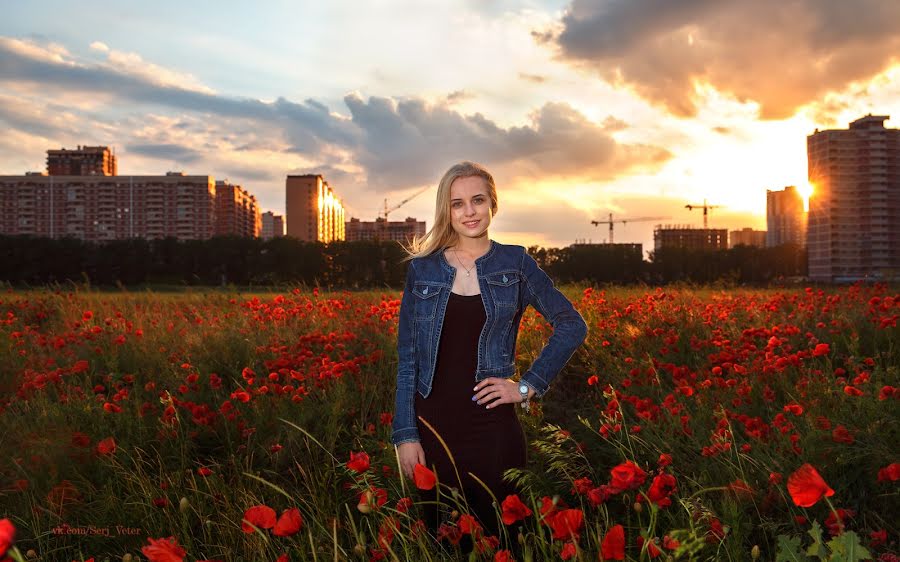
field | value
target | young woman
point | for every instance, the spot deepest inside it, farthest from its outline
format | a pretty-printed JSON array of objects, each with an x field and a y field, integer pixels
[{"x": 459, "y": 317}]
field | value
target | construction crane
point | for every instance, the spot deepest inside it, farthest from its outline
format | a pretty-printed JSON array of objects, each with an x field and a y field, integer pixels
[
  {"x": 384, "y": 214},
  {"x": 706, "y": 208},
  {"x": 624, "y": 221}
]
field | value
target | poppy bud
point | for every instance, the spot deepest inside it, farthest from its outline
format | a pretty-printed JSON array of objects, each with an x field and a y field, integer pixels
[
  {"x": 365, "y": 502},
  {"x": 638, "y": 507},
  {"x": 127, "y": 557},
  {"x": 184, "y": 505},
  {"x": 754, "y": 552},
  {"x": 31, "y": 553},
  {"x": 359, "y": 549},
  {"x": 454, "y": 514}
]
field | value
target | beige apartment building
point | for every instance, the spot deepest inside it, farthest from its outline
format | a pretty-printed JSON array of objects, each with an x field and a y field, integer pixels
[
  {"x": 83, "y": 161},
  {"x": 272, "y": 225},
  {"x": 97, "y": 205},
  {"x": 854, "y": 210},
  {"x": 684, "y": 236},
  {"x": 102, "y": 208},
  {"x": 314, "y": 212},
  {"x": 381, "y": 229},
  {"x": 747, "y": 237},
  {"x": 785, "y": 217},
  {"x": 237, "y": 213}
]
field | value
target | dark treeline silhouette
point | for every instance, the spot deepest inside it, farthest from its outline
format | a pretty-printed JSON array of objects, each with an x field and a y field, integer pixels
[{"x": 26, "y": 260}]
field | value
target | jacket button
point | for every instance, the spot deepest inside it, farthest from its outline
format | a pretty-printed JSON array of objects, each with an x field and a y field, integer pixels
[
  {"x": 425, "y": 291},
  {"x": 505, "y": 279}
]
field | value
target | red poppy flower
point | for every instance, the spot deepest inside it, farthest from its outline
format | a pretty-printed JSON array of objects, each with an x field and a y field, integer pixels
[
  {"x": 164, "y": 550},
  {"x": 450, "y": 532},
  {"x": 106, "y": 446},
  {"x": 670, "y": 543},
  {"x": 663, "y": 486},
  {"x": 7, "y": 534},
  {"x": 503, "y": 556},
  {"x": 261, "y": 516},
  {"x": 627, "y": 476},
  {"x": 807, "y": 487},
  {"x": 567, "y": 524},
  {"x": 852, "y": 391},
  {"x": 568, "y": 551},
  {"x": 469, "y": 525},
  {"x": 423, "y": 477},
  {"x": 613, "y": 546},
  {"x": 111, "y": 408},
  {"x": 890, "y": 473},
  {"x": 203, "y": 471},
  {"x": 842, "y": 435},
  {"x": 514, "y": 510},
  {"x": 359, "y": 462},
  {"x": 821, "y": 349},
  {"x": 289, "y": 523}
]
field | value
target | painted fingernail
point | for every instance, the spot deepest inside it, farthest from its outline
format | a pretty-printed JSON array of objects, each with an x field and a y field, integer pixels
[{"x": 474, "y": 398}]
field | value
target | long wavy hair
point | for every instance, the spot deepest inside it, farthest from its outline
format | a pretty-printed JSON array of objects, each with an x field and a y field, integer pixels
[{"x": 441, "y": 233}]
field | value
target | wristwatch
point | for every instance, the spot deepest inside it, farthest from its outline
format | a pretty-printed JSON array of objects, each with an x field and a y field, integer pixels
[{"x": 523, "y": 390}]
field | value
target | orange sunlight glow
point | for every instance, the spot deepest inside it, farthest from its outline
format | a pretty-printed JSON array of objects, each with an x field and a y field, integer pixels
[{"x": 805, "y": 189}]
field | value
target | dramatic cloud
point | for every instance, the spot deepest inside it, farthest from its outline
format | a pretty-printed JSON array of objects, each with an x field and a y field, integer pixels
[
  {"x": 409, "y": 142},
  {"x": 397, "y": 143},
  {"x": 171, "y": 152},
  {"x": 780, "y": 54}
]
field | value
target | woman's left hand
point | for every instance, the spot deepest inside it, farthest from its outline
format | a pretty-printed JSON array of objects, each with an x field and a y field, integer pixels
[{"x": 494, "y": 391}]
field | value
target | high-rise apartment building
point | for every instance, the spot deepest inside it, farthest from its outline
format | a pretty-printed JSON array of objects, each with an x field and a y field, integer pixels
[
  {"x": 314, "y": 213},
  {"x": 272, "y": 225},
  {"x": 854, "y": 209},
  {"x": 100, "y": 208},
  {"x": 785, "y": 217},
  {"x": 684, "y": 236},
  {"x": 381, "y": 229},
  {"x": 237, "y": 213},
  {"x": 103, "y": 206},
  {"x": 83, "y": 161},
  {"x": 747, "y": 237}
]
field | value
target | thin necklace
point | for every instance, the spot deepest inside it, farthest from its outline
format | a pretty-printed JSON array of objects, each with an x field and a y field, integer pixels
[{"x": 468, "y": 271}]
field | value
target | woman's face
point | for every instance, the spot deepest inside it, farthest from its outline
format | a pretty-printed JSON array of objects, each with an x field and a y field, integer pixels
[{"x": 470, "y": 207}]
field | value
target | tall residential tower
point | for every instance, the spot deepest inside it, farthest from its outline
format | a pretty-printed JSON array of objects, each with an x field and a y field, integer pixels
[{"x": 854, "y": 210}]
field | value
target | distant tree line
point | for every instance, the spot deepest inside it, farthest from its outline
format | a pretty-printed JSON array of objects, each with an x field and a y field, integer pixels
[{"x": 27, "y": 260}]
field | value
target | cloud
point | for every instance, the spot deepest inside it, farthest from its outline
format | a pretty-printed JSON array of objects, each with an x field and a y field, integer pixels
[
  {"x": 171, "y": 152},
  {"x": 533, "y": 78},
  {"x": 781, "y": 55},
  {"x": 385, "y": 144},
  {"x": 100, "y": 46},
  {"x": 409, "y": 142}
]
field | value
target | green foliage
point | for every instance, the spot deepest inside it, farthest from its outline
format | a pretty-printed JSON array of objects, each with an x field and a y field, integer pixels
[{"x": 842, "y": 548}]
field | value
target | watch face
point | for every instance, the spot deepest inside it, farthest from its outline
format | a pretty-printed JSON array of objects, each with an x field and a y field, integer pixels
[{"x": 523, "y": 389}]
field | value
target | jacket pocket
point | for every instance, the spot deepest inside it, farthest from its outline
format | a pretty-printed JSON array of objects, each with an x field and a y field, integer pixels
[
  {"x": 426, "y": 303},
  {"x": 504, "y": 288}
]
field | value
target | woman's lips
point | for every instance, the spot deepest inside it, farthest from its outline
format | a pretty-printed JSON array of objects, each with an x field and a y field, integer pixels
[{"x": 471, "y": 224}]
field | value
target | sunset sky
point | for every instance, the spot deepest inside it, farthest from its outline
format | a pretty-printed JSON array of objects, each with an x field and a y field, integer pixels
[{"x": 579, "y": 108}]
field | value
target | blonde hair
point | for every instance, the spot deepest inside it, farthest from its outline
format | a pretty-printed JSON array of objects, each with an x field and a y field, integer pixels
[{"x": 441, "y": 233}]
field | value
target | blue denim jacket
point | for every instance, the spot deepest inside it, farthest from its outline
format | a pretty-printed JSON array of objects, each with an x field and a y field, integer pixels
[{"x": 509, "y": 280}]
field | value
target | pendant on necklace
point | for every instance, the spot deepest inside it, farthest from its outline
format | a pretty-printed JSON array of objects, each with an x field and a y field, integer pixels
[{"x": 467, "y": 273}]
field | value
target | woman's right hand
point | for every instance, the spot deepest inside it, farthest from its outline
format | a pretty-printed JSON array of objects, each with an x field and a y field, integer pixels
[{"x": 410, "y": 454}]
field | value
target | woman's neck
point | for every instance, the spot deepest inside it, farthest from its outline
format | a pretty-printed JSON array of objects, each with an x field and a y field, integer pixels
[{"x": 473, "y": 246}]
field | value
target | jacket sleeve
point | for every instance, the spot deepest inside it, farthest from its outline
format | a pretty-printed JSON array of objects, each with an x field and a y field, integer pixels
[
  {"x": 404, "y": 425},
  {"x": 569, "y": 328}
]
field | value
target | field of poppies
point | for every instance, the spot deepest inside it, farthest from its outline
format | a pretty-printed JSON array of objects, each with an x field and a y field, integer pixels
[{"x": 694, "y": 424}]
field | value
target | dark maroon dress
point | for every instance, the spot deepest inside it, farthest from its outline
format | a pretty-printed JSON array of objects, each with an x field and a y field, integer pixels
[{"x": 482, "y": 441}]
